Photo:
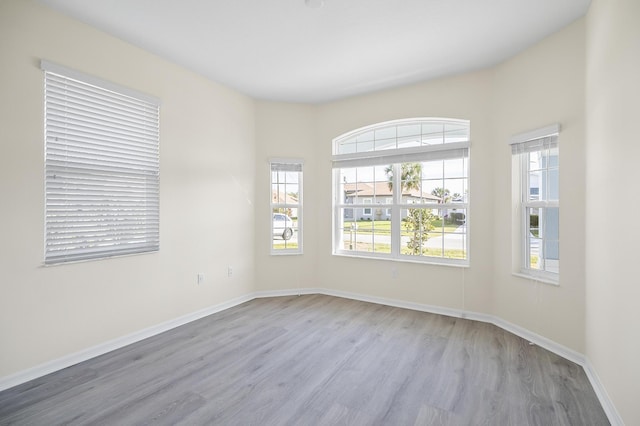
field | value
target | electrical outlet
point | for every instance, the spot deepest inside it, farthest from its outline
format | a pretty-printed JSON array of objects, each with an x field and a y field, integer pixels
[
  {"x": 200, "y": 278},
  {"x": 229, "y": 271},
  {"x": 394, "y": 272}
]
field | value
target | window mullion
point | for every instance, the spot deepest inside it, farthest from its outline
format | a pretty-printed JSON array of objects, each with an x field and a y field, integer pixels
[{"x": 396, "y": 228}]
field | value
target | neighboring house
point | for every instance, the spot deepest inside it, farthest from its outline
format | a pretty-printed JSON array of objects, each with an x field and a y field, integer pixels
[
  {"x": 282, "y": 198},
  {"x": 379, "y": 193}
]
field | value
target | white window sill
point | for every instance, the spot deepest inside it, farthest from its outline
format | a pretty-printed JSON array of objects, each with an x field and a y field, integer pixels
[
  {"x": 538, "y": 278},
  {"x": 434, "y": 262}
]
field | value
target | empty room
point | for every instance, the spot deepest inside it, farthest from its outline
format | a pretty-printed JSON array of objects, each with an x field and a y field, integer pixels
[{"x": 319, "y": 212}]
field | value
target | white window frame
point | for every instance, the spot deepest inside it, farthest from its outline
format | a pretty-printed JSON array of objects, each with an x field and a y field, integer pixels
[
  {"x": 521, "y": 145},
  {"x": 397, "y": 156},
  {"x": 102, "y": 168},
  {"x": 287, "y": 165}
]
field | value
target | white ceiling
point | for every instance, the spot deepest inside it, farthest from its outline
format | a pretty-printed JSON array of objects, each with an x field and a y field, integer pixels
[{"x": 284, "y": 50}]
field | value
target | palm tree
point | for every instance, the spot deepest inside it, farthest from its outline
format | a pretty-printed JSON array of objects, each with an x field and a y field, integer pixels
[
  {"x": 410, "y": 176},
  {"x": 418, "y": 220},
  {"x": 443, "y": 194}
]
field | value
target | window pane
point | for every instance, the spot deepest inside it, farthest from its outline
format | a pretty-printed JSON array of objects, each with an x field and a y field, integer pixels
[
  {"x": 554, "y": 190},
  {"x": 433, "y": 191},
  {"x": 454, "y": 188},
  {"x": 385, "y": 133},
  {"x": 381, "y": 231},
  {"x": 348, "y": 230},
  {"x": 286, "y": 188},
  {"x": 456, "y": 132},
  {"x": 409, "y": 135},
  {"x": 284, "y": 228},
  {"x": 455, "y": 168},
  {"x": 454, "y": 233},
  {"x": 365, "y": 146},
  {"x": 382, "y": 144},
  {"x": 416, "y": 240},
  {"x": 432, "y": 134},
  {"x": 534, "y": 238},
  {"x": 432, "y": 169},
  {"x": 553, "y": 157},
  {"x": 347, "y": 146},
  {"x": 537, "y": 185}
]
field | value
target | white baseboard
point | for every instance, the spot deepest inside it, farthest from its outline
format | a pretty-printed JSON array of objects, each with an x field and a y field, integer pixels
[
  {"x": 603, "y": 396},
  {"x": 101, "y": 349},
  {"x": 548, "y": 344},
  {"x": 84, "y": 355}
]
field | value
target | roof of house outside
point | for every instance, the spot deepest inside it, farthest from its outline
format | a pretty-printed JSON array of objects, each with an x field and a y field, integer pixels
[
  {"x": 381, "y": 189},
  {"x": 281, "y": 198}
]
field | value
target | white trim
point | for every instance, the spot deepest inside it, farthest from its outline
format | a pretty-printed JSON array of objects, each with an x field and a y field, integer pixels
[
  {"x": 111, "y": 345},
  {"x": 96, "y": 81},
  {"x": 395, "y": 123},
  {"x": 560, "y": 350},
  {"x": 603, "y": 396},
  {"x": 286, "y": 160},
  {"x": 550, "y": 279},
  {"x": 543, "y": 132}
]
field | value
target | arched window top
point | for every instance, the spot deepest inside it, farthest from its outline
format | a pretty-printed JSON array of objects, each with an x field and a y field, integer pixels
[{"x": 401, "y": 134}]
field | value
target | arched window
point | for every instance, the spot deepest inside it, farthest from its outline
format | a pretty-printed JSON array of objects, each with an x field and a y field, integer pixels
[{"x": 401, "y": 191}]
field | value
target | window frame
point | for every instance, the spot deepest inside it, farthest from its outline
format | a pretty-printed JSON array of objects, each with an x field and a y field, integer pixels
[
  {"x": 521, "y": 146},
  {"x": 102, "y": 168},
  {"x": 288, "y": 165},
  {"x": 396, "y": 157}
]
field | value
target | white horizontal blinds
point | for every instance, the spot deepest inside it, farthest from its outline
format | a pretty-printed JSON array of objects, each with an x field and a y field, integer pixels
[
  {"x": 102, "y": 171},
  {"x": 548, "y": 142},
  {"x": 286, "y": 167},
  {"x": 536, "y": 140},
  {"x": 408, "y": 155}
]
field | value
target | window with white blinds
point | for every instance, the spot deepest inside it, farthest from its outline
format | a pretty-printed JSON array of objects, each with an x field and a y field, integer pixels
[
  {"x": 536, "y": 170},
  {"x": 101, "y": 168}
]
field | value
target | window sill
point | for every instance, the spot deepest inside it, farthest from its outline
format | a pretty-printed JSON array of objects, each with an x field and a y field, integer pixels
[
  {"x": 538, "y": 278},
  {"x": 285, "y": 253},
  {"x": 438, "y": 262}
]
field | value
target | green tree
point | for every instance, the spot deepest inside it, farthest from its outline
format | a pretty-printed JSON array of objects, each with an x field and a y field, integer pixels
[
  {"x": 419, "y": 221},
  {"x": 410, "y": 176},
  {"x": 443, "y": 194}
]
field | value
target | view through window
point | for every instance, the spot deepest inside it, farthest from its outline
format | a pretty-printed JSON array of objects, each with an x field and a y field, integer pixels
[
  {"x": 286, "y": 207},
  {"x": 401, "y": 190}
]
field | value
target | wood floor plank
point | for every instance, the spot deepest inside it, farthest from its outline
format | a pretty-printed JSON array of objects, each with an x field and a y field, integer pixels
[{"x": 315, "y": 360}]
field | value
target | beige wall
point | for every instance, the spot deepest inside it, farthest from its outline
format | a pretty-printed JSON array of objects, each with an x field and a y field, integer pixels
[
  {"x": 463, "y": 97},
  {"x": 613, "y": 151},
  {"x": 285, "y": 131},
  {"x": 541, "y": 86},
  {"x": 207, "y": 192},
  {"x": 215, "y": 203}
]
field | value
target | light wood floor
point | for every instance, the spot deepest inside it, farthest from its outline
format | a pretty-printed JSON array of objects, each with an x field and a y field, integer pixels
[{"x": 315, "y": 360}]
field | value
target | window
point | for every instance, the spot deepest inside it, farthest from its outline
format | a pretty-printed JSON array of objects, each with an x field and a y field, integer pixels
[
  {"x": 367, "y": 210},
  {"x": 417, "y": 169},
  {"x": 536, "y": 177},
  {"x": 286, "y": 206},
  {"x": 101, "y": 168}
]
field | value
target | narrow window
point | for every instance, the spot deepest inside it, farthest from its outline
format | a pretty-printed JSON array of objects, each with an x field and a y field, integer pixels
[
  {"x": 536, "y": 176},
  {"x": 286, "y": 206},
  {"x": 101, "y": 168}
]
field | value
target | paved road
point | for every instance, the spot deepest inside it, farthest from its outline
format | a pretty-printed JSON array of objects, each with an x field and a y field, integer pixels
[{"x": 454, "y": 240}]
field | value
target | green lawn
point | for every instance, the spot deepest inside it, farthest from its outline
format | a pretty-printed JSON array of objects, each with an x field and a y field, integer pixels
[
  {"x": 281, "y": 245},
  {"x": 386, "y": 248},
  {"x": 384, "y": 227}
]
